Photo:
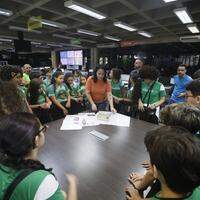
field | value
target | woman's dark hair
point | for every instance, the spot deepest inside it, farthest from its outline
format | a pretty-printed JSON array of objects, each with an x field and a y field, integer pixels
[
  {"x": 194, "y": 87},
  {"x": 10, "y": 99},
  {"x": 183, "y": 114},
  {"x": 175, "y": 153},
  {"x": 17, "y": 140},
  {"x": 149, "y": 72},
  {"x": 116, "y": 74},
  {"x": 6, "y": 72},
  {"x": 68, "y": 75},
  {"x": 54, "y": 76},
  {"x": 34, "y": 93},
  {"x": 36, "y": 74},
  {"x": 95, "y": 74}
]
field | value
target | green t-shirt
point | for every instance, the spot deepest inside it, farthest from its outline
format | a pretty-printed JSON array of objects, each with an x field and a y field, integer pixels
[
  {"x": 22, "y": 94},
  {"x": 60, "y": 92},
  {"x": 194, "y": 196},
  {"x": 26, "y": 78},
  {"x": 130, "y": 93},
  {"x": 42, "y": 98},
  {"x": 24, "y": 89},
  {"x": 74, "y": 91},
  {"x": 81, "y": 89},
  {"x": 46, "y": 83},
  {"x": 157, "y": 92},
  {"x": 117, "y": 88},
  {"x": 39, "y": 184}
]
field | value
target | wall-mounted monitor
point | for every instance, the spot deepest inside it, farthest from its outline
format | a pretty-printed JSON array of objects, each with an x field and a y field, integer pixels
[{"x": 71, "y": 57}]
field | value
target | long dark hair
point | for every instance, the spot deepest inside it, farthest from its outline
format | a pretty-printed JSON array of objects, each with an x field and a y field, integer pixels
[
  {"x": 95, "y": 74},
  {"x": 10, "y": 98},
  {"x": 54, "y": 76},
  {"x": 67, "y": 75},
  {"x": 17, "y": 140},
  {"x": 34, "y": 93}
]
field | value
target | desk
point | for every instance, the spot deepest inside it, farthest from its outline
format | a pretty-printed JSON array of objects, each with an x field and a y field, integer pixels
[{"x": 102, "y": 167}]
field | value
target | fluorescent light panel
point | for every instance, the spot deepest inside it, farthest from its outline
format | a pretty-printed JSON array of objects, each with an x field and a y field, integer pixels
[
  {"x": 23, "y": 29},
  {"x": 168, "y": 1},
  {"x": 183, "y": 15},
  {"x": 36, "y": 43},
  {"x": 84, "y": 9},
  {"x": 193, "y": 28},
  {"x": 5, "y": 40},
  {"x": 143, "y": 33},
  {"x": 51, "y": 23},
  {"x": 5, "y": 12},
  {"x": 54, "y": 45},
  {"x": 124, "y": 26},
  {"x": 62, "y": 36},
  {"x": 112, "y": 38},
  {"x": 88, "y": 32}
]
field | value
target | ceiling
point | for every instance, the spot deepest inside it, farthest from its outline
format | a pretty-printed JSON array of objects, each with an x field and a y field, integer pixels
[{"x": 153, "y": 16}]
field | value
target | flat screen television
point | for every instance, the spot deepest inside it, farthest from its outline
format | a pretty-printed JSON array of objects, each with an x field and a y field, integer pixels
[
  {"x": 22, "y": 46},
  {"x": 71, "y": 57}
]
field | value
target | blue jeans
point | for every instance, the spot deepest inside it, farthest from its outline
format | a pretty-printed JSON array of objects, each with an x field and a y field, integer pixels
[{"x": 100, "y": 106}]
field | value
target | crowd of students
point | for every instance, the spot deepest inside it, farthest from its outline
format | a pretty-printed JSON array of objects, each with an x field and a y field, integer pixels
[{"x": 173, "y": 171}]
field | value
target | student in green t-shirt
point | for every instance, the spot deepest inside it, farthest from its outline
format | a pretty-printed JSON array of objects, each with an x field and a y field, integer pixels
[
  {"x": 47, "y": 80},
  {"x": 152, "y": 93},
  {"x": 117, "y": 89},
  {"x": 59, "y": 95},
  {"x": 175, "y": 163},
  {"x": 81, "y": 91},
  {"x": 38, "y": 101},
  {"x": 21, "y": 138},
  {"x": 76, "y": 97},
  {"x": 26, "y": 72}
]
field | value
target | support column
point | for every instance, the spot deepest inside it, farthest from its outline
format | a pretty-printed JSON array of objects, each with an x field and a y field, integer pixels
[
  {"x": 94, "y": 57},
  {"x": 54, "y": 59}
]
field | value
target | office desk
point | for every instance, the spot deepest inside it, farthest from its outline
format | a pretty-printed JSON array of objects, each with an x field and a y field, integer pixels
[{"x": 102, "y": 167}]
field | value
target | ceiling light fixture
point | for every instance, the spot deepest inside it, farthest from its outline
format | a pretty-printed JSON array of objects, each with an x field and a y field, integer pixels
[
  {"x": 71, "y": 45},
  {"x": 54, "y": 45},
  {"x": 53, "y": 24},
  {"x": 50, "y": 23},
  {"x": 62, "y": 36},
  {"x": 24, "y": 29},
  {"x": 193, "y": 28},
  {"x": 168, "y": 1},
  {"x": 36, "y": 43},
  {"x": 112, "y": 38},
  {"x": 183, "y": 15},
  {"x": 5, "y": 40},
  {"x": 124, "y": 26},
  {"x": 5, "y": 12},
  {"x": 84, "y": 9},
  {"x": 88, "y": 32},
  {"x": 69, "y": 38},
  {"x": 145, "y": 34}
]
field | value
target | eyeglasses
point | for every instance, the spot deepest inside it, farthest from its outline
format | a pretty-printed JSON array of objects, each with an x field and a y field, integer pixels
[{"x": 43, "y": 129}]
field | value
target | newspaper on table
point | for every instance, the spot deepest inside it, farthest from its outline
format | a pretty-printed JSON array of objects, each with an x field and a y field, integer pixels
[{"x": 77, "y": 122}]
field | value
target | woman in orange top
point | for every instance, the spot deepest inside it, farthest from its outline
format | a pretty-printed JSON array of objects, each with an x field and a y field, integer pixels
[{"x": 98, "y": 91}]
